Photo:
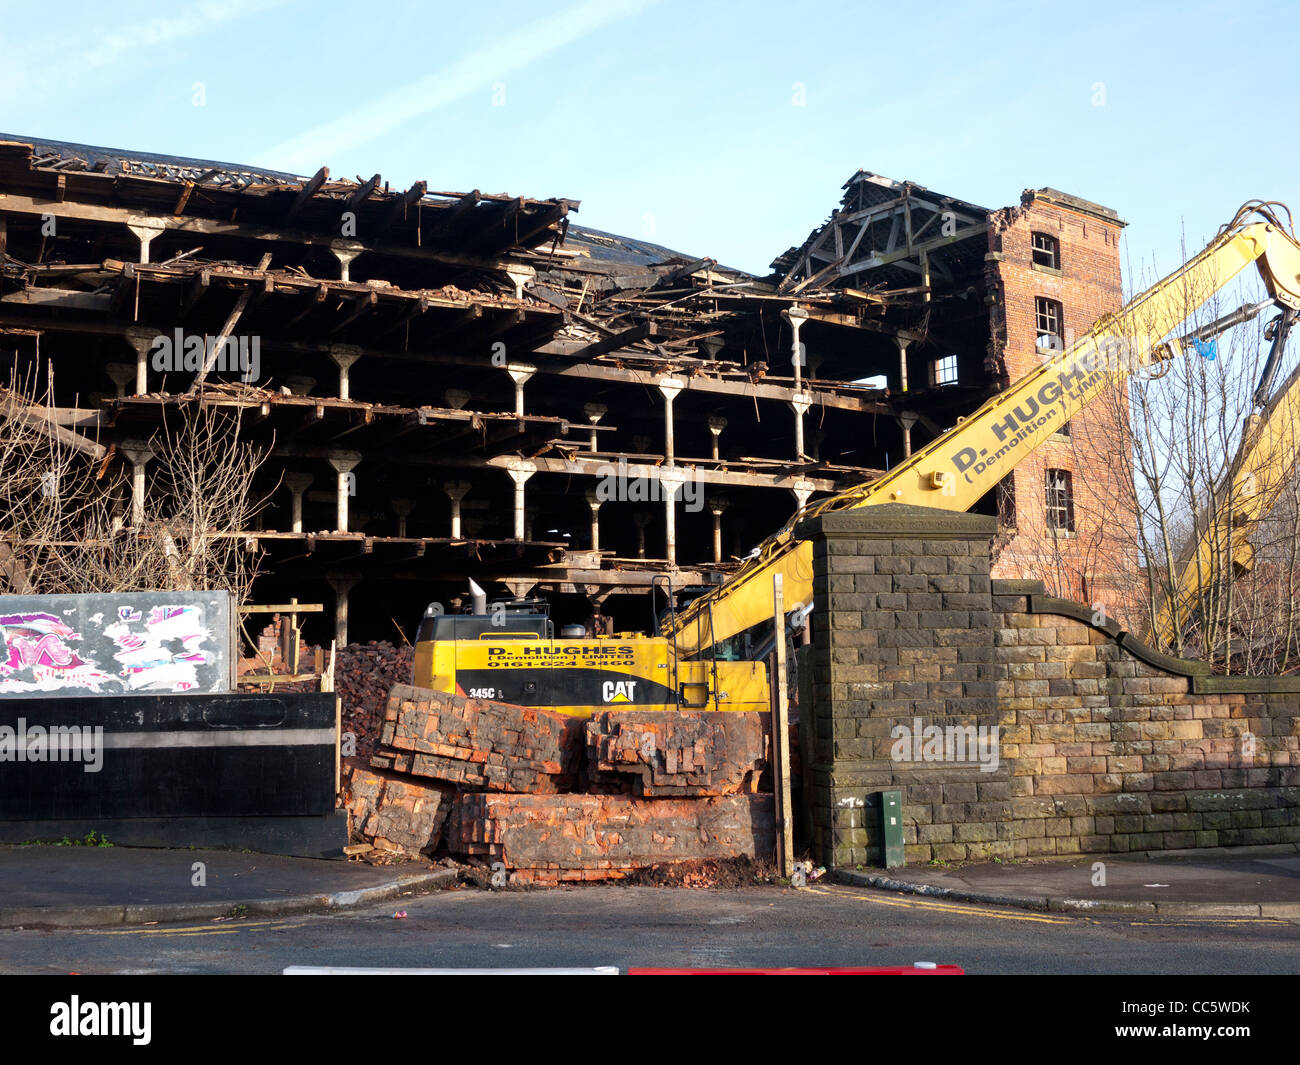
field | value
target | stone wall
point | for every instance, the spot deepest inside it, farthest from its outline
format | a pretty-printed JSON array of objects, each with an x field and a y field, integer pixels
[{"x": 1103, "y": 745}]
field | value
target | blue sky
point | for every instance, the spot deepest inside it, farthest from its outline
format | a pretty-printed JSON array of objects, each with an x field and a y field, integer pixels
[{"x": 722, "y": 129}]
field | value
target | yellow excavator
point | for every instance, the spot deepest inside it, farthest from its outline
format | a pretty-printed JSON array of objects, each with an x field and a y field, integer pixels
[
  {"x": 512, "y": 654},
  {"x": 957, "y": 468},
  {"x": 509, "y": 653}
]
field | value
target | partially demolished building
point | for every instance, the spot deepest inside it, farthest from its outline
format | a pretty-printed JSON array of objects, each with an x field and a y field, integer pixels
[{"x": 456, "y": 385}]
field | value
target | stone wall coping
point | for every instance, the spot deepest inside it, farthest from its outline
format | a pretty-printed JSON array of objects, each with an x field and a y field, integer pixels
[
  {"x": 1005, "y": 586},
  {"x": 897, "y": 521},
  {"x": 1181, "y": 667},
  {"x": 1213, "y": 685},
  {"x": 1203, "y": 682},
  {"x": 1048, "y": 604}
]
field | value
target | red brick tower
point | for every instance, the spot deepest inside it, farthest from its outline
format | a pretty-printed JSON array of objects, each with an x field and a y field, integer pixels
[{"x": 1053, "y": 270}]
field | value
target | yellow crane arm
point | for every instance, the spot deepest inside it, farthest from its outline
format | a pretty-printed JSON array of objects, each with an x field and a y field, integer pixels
[{"x": 956, "y": 469}]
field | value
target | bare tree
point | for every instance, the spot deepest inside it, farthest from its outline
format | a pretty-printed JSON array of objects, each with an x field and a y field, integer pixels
[
  {"x": 69, "y": 521},
  {"x": 1204, "y": 587}
]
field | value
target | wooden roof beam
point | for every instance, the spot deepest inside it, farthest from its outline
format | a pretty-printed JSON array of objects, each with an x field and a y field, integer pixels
[
  {"x": 309, "y": 189},
  {"x": 403, "y": 204},
  {"x": 617, "y": 341},
  {"x": 363, "y": 305},
  {"x": 362, "y": 193}
]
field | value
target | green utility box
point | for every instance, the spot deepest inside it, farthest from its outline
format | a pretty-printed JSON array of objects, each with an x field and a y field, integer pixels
[{"x": 891, "y": 829}]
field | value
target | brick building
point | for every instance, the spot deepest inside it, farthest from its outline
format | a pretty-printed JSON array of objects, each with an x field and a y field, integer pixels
[
  {"x": 1067, "y": 520},
  {"x": 998, "y": 291}
]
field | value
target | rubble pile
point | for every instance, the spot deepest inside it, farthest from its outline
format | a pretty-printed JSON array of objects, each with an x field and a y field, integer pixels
[
  {"x": 687, "y": 753},
  {"x": 364, "y": 673},
  {"x": 557, "y": 798},
  {"x": 363, "y": 677},
  {"x": 396, "y": 814},
  {"x": 548, "y": 839},
  {"x": 478, "y": 743}
]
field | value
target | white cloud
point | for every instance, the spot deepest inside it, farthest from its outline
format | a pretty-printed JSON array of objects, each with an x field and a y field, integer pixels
[
  {"x": 474, "y": 73},
  {"x": 188, "y": 22}
]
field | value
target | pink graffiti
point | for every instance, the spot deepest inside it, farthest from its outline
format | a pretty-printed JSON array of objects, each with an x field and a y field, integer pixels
[
  {"x": 38, "y": 640},
  {"x": 48, "y": 650}
]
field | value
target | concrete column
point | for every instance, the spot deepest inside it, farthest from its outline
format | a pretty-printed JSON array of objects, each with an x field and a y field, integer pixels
[
  {"x": 145, "y": 235},
  {"x": 671, "y": 480},
  {"x": 344, "y": 355},
  {"x": 298, "y": 483},
  {"x": 716, "y": 424},
  {"x": 342, "y": 586},
  {"x": 456, "y": 398},
  {"x": 138, "y": 453},
  {"x": 299, "y": 385},
  {"x": 402, "y": 508},
  {"x": 796, "y": 316},
  {"x": 669, "y": 386},
  {"x": 594, "y": 412},
  {"x": 799, "y": 404},
  {"x": 595, "y": 503},
  {"x": 519, "y": 373},
  {"x": 141, "y": 340},
  {"x": 801, "y": 491},
  {"x": 902, "y": 362},
  {"x": 717, "y": 506},
  {"x": 520, "y": 470},
  {"x": 456, "y": 491},
  {"x": 907, "y": 421},
  {"x": 121, "y": 374},
  {"x": 519, "y": 276},
  {"x": 345, "y": 251},
  {"x": 519, "y": 587},
  {"x": 641, "y": 519},
  {"x": 344, "y": 462}
]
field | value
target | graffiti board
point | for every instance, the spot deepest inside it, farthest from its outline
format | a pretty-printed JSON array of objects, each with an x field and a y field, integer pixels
[{"x": 128, "y": 644}]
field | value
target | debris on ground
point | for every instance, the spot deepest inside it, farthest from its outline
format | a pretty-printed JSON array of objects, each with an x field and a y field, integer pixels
[{"x": 542, "y": 798}]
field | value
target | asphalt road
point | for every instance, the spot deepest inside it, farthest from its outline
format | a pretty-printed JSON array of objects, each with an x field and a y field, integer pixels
[{"x": 620, "y": 926}]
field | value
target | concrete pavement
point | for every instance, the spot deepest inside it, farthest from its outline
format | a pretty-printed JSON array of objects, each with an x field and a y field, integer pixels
[
  {"x": 86, "y": 886},
  {"x": 81, "y": 886},
  {"x": 1222, "y": 882}
]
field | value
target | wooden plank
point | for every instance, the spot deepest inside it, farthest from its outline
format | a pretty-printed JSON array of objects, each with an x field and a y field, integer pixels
[
  {"x": 613, "y": 343},
  {"x": 542, "y": 222},
  {"x": 455, "y": 215},
  {"x": 362, "y": 194},
  {"x": 363, "y": 305},
  {"x": 183, "y": 199},
  {"x": 309, "y": 190},
  {"x": 403, "y": 203},
  {"x": 12, "y": 407}
]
